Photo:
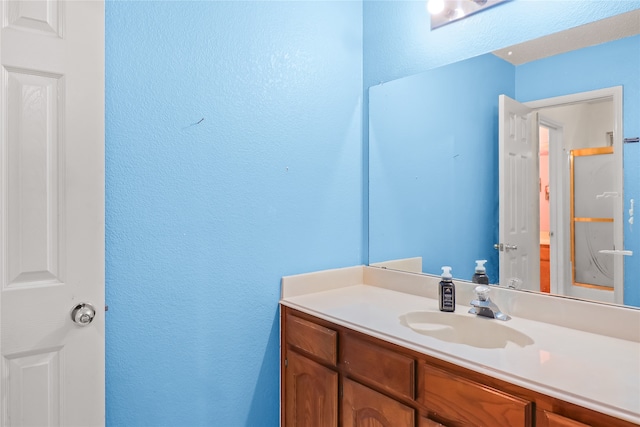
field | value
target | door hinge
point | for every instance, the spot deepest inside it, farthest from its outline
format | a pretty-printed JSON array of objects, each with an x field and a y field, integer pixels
[{"x": 286, "y": 362}]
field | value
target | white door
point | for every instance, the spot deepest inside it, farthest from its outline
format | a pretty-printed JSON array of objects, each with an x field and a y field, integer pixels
[
  {"x": 518, "y": 186},
  {"x": 51, "y": 212}
]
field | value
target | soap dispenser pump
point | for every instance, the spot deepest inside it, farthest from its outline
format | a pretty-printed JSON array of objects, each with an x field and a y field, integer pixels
[
  {"x": 447, "y": 291},
  {"x": 480, "y": 277}
]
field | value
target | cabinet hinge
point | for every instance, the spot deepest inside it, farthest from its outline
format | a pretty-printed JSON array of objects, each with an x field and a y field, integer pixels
[{"x": 286, "y": 362}]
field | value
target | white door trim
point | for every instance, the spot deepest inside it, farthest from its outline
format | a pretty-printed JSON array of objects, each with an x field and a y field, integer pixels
[
  {"x": 558, "y": 208},
  {"x": 616, "y": 94}
]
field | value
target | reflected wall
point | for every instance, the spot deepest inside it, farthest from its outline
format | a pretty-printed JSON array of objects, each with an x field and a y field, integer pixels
[{"x": 433, "y": 170}]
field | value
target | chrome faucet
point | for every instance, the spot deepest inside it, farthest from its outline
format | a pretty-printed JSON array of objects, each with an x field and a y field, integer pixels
[{"x": 483, "y": 306}]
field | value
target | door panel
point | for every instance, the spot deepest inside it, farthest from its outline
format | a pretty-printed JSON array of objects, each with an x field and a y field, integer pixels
[
  {"x": 51, "y": 212},
  {"x": 518, "y": 178},
  {"x": 33, "y": 167},
  {"x": 34, "y": 381}
]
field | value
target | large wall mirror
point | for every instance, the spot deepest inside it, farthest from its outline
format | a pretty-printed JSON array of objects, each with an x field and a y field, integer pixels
[{"x": 445, "y": 186}]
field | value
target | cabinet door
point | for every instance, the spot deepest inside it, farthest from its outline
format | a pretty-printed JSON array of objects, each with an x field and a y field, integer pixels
[
  {"x": 311, "y": 393},
  {"x": 363, "y": 407}
]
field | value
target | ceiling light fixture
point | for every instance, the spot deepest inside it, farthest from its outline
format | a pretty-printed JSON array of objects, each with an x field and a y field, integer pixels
[{"x": 446, "y": 11}]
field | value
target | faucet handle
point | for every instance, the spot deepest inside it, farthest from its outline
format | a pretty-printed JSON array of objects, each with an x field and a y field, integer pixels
[{"x": 482, "y": 292}]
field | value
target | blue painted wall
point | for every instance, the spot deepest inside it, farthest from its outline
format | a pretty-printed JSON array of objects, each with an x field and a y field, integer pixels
[
  {"x": 433, "y": 170},
  {"x": 611, "y": 64},
  {"x": 204, "y": 217},
  {"x": 233, "y": 157}
]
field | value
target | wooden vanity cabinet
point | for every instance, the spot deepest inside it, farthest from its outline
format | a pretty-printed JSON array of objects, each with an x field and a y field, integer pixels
[
  {"x": 334, "y": 376},
  {"x": 362, "y": 406},
  {"x": 545, "y": 269}
]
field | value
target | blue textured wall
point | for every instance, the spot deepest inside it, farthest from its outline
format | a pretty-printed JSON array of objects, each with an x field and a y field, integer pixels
[
  {"x": 433, "y": 170},
  {"x": 616, "y": 63},
  {"x": 205, "y": 216}
]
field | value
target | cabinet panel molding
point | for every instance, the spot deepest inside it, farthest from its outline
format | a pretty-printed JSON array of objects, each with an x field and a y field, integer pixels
[
  {"x": 364, "y": 407},
  {"x": 311, "y": 398}
]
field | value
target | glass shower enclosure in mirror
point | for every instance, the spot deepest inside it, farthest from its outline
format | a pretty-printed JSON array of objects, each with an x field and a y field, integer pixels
[{"x": 434, "y": 193}]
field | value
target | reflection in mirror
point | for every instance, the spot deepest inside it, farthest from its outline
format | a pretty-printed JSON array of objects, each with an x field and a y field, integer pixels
[
  {"x": 434, "y": 167},
  {"x": 446, "y": 11},
  {"x": 568, "y": 128}
]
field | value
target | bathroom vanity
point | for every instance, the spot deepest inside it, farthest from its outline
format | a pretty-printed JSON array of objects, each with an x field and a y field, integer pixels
[{"x": 366, "y": 346}]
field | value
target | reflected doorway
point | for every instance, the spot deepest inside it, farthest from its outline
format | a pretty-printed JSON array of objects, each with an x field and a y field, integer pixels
[
  {"x": 578, "y": 200},
  {"x": 545, "y": 214}
]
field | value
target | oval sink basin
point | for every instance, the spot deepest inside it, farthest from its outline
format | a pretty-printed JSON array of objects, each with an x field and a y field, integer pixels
[{"x": 474, "y": 331}]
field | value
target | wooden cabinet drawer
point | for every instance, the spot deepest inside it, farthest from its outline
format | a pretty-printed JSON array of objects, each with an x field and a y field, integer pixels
[
  {"x": 457, "y": 401},
  {"x": 384, "y": 368},
  {"x": 313, "y": 339},
  {"x": 549, "y": 419},
  {"x": 362, "y": 406}
]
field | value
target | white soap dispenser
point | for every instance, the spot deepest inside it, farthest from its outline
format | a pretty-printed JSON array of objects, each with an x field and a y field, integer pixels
[{"x": 480, "y": 277}]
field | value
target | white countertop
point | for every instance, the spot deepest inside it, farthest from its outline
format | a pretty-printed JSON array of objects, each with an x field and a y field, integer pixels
[{"x": 592, "y": 370}]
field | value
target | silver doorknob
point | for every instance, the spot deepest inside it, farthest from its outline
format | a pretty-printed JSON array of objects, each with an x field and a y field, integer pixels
[
  {"x": 83, "y": 314},
  {"x": 505, "y": 247}
]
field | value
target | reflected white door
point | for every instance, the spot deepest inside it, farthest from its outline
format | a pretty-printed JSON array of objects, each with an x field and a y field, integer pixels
[
  {"x": 518, "y": 185},
  {"x": 51, "y": 212}
]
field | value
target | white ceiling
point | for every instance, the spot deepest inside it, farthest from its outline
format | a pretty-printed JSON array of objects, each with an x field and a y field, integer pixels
[{"x": 605, "y": 30}]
